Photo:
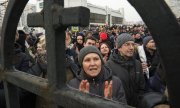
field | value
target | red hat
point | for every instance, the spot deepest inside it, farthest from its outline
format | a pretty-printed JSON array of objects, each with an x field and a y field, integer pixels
[{"x": 103, "y": 36}]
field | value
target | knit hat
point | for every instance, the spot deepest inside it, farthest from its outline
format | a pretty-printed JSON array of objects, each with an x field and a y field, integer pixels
[
  {"x": 86, "y": 50},
  {"x": 146, "y": 40},
  {"x": 103, "y": 36},
  {"x": 123, "y": 38}
]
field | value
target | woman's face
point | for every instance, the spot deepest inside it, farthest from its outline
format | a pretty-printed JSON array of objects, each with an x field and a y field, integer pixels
[
  {"x": 92, "y": 64},
  {"x": 104, "y": 49},
  {"x": 40, "y": 49},
  {"x": 80, "y": 40}
]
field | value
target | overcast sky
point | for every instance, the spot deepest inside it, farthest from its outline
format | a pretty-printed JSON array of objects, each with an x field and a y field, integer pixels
[{"x": 130, "y": 12}]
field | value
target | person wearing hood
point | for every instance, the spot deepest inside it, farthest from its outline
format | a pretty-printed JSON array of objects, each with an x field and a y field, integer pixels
[
  {"x": 95, "y": 77},
  {"x": 127, "y": 69}
]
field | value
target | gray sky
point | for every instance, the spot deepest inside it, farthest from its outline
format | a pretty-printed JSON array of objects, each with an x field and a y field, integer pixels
[{"x": 130, "y": 12}]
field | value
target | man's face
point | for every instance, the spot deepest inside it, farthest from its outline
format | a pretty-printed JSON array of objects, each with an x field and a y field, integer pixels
[
  {"x": 127, "y": 49},
  {"x": 151, "y": 45},
  {"x": 90, "y": 42}
]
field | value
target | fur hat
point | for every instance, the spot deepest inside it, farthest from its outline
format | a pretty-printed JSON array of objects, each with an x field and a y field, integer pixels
[
  {"x": 86, "y": 50},
  {"x": 123, "y": 38}
]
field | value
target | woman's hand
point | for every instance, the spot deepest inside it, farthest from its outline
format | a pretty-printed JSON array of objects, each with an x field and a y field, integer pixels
[
  {"x": 84, "y": 86},
  {"x": 108, "y": 89},
  {"x": 105, "y": 58}
]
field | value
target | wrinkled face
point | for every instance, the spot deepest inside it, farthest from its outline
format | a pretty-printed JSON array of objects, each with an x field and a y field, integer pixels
[
  {"x": 90, "y": 42},
  {"x": 80, "y": 40},
  {"x": 104, "y": 49},
  {"x": 151, "y": 45},
  {"x": 92, "y": 64},
  {"x": 127, "y": 49}
]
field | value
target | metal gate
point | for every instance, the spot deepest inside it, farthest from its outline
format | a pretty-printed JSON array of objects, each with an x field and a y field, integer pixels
[{"x": 55, "y": 19}]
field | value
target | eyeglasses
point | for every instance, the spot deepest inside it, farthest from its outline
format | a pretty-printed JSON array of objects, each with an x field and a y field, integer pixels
[{"x": 129, "y": 44}]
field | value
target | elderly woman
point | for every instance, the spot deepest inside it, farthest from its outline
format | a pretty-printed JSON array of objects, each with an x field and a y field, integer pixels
[{"x": 95, "y": 77}]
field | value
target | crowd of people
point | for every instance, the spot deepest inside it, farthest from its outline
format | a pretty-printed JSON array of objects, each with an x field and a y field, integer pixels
[{"x": 104, "y": 62}]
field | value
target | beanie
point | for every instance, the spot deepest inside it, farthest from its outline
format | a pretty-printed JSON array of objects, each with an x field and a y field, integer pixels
[
  {"x": 123, "y": 38},
  {"x": 146, "y": 40},
  {"x": 103, "y": 36},
  {"x": 86, "y": 50}
]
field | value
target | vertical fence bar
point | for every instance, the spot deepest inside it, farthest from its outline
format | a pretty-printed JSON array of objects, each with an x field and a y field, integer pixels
[
  {"x": 10, "y": 22},
  {"x": 12, "y": 96},
  {"x": 55, "y": 45}
]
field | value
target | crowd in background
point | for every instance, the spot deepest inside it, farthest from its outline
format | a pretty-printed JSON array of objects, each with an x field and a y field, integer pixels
[{"x": 103, "y": 62}]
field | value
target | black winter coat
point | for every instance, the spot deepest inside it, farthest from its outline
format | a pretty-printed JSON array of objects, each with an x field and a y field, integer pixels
[
  {"x": 97, "y": 84},
  {"x": 130, "y": 73},
  {"x": 21, "y": 60},
  {"x": 152, "y": 61}
]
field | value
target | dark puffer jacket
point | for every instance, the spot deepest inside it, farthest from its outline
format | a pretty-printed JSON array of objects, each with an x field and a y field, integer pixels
[
  {"x": 97, "y": 84},
  {"x": 130, "y": 73}
]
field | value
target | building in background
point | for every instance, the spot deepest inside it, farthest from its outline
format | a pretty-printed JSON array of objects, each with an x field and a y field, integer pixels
[
  {"x": 3, "y": 6},
  {"x": 30, "y": 8},
  {"x": 99, "y": 16}
]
